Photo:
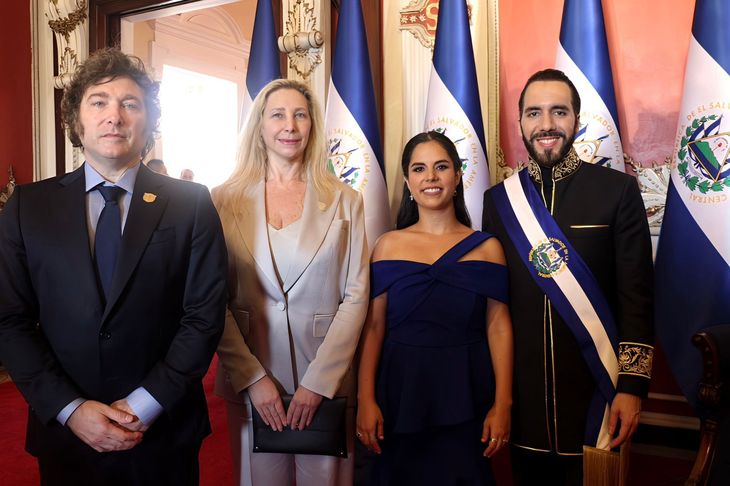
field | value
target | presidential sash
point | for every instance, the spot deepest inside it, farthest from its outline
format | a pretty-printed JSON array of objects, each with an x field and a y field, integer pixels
[{"x": 566, "y": 280}]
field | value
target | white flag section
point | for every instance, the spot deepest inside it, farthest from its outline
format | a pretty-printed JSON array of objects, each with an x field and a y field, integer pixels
[
  {"x": 245, "y": 108},
  {"x": 598, "y": 140},
  {"x": 354, "y": 162},
  {"x": 700, "y": 176},
  {"x": 444, "y": 114}
]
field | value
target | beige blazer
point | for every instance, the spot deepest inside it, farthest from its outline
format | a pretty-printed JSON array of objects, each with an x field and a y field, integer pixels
[{"x": 323, "y": 299}]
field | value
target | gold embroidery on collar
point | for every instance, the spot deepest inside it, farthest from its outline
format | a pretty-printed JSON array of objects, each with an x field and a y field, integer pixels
[
  {"x": 534, "y": 170},
  {"x": 635, "y": 359},
  {"x": 561, "y": 170}
]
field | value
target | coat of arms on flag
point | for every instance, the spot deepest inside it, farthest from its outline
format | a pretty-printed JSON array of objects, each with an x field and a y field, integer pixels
[
  {"x": 348, "y": 158},
  {"x": 703, "y": 155},
  {"x": 589, "y": 150}
]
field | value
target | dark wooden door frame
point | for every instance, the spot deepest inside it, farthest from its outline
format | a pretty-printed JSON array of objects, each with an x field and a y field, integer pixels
[{"x": 105, "y": 18}]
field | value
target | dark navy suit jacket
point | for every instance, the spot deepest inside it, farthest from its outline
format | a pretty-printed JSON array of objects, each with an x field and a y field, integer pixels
[{"x": 159, "y": 328}]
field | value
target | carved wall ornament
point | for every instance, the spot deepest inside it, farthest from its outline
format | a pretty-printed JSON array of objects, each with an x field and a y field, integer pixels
[
  {"x": 68, "y": 19},
  {"x": 65, "y": 25},
  {"x": 8, "y": 189},
  {"x": 504, "y": 170},
  {"x": 653, "y": 183},
  {"x": 420, "y": 17},
  {"x": 68, "y": 61},
  {"x": 302, "y": 41}
]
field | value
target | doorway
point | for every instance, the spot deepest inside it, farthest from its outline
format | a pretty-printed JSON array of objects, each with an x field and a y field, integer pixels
[{"x": 199, "y": 54}]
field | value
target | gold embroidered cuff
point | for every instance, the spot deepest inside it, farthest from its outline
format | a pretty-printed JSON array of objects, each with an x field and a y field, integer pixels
[{"x": 635, "y": 359}]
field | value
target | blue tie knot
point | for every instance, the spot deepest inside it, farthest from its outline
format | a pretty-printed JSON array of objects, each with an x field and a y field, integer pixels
[{"x": 111, "y": 194}]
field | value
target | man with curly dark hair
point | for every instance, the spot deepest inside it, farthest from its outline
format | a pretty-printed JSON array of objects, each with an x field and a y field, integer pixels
[
  {"x": 115, "y": 298},
  {"x": 104, "y": 66}
]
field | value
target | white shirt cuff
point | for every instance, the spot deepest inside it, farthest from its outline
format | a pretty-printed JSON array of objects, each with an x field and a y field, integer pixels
[
  {"x": 69, "y": 409},
  {"x": 144, "y": 405}
]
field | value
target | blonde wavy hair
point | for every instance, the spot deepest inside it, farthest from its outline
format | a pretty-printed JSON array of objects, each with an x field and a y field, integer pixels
[{"x": 252, "y": 160}]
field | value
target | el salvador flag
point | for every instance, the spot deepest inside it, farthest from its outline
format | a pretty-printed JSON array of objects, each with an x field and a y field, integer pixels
[
  {"x": 263, "y": 60},
  {"x": 583, "y": 57},
  {"x": 453, "y": 105},
  {"x": 351, "y": 122},
  {"x": 693, "y": 256}
]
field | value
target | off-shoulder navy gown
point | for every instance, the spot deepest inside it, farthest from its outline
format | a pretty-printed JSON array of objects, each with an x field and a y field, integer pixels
[{"x": 435, "y": 380}]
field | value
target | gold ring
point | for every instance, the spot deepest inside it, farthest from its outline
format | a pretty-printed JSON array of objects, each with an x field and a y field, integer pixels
[{"x": 492, "y": 439}]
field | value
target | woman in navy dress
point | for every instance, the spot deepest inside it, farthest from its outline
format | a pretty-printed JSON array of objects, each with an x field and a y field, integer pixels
[{"x": 435, "y": 377}]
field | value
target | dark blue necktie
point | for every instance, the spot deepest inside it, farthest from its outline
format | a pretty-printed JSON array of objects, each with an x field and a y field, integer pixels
[{"x": 108, "y": 236}]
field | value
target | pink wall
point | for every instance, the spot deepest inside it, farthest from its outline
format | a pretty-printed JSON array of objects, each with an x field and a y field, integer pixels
[
  {"x": 648, "y": 44},
  {"x": 16, "y": 129}
]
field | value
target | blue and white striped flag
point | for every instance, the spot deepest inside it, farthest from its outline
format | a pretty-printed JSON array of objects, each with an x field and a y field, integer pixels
[
  {"x": 583, "y": 57},
  {"x": 263, "y": 60},
  {"x": 693, "y": 257},
  {"x": 453, "y": 106},
  {"x": 353, "y": 135}
]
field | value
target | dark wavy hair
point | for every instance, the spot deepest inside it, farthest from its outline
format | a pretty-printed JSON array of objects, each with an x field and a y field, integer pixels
[
  {"x": 103, "y": 66},
  {"x": 408, "y": 211},
  {"x": 552, "y": 75}
]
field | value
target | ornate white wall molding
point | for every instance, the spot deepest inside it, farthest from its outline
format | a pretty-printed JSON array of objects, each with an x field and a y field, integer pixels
[
  {"x": 419, "y": 18},
  {"x": 67, "y": 21},
  {"x": 302, "y": 41},
  {"x": 653, "y": 182},
  {"x": 305, "y": 24}
]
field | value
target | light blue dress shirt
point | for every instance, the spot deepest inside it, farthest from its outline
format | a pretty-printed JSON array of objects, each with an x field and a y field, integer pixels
[{"x": 144, "y": 405}]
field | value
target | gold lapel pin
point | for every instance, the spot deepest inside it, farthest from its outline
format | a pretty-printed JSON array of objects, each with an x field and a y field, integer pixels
[{"x": 148, "y": 197}]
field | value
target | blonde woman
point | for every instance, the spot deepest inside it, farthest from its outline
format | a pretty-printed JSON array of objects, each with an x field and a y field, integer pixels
[{"x": 298, "y": 286}]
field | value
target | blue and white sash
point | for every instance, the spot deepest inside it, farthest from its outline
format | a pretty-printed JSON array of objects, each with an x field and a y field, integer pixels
[{"x": 571, "y": 287}]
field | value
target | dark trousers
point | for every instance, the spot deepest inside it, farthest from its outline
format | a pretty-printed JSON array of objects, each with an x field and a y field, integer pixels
[
  {"x": 127, "y": 468},
  {"x": 545, "y": 468}
]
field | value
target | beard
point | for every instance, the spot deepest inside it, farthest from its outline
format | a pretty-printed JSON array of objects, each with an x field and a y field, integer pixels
[{"x": 549, "y": 157}]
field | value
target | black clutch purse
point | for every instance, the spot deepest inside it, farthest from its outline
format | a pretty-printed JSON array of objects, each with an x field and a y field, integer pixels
[{"x": 325, "y": 436}]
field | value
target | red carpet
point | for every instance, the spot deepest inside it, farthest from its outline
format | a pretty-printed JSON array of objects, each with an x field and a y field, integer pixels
[{"x": 18, "y": 468}]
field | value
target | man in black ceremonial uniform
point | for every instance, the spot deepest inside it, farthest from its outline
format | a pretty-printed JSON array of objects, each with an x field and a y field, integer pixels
[{"x": 599, "y": 226}]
